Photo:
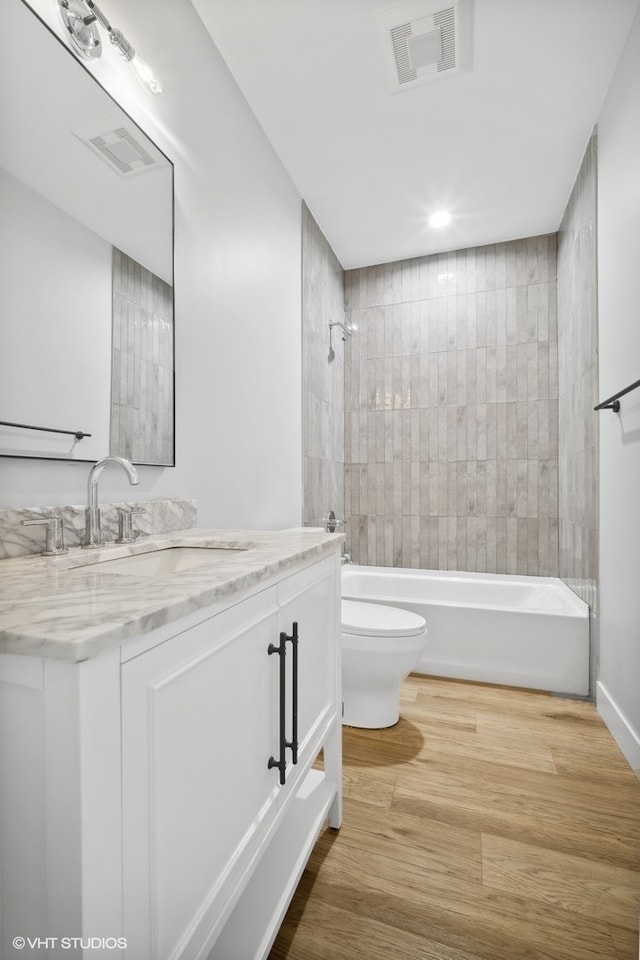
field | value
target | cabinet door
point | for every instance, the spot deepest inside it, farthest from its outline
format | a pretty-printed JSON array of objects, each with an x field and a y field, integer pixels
[
  {"x": 199, "y": 725},
  {"x": 310, "y": 599}
]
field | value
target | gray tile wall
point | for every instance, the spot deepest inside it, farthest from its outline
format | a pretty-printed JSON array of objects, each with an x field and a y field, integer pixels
[
  {"x": 451, "y": 450},
  {"x": 578, "y": 390},
  {"x": 323, "y": 375},
  {"x": 141, "y": 423}
]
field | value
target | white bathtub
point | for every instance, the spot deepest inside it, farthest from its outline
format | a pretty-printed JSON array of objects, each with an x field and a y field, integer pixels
[{"x": 523, "y": 631}]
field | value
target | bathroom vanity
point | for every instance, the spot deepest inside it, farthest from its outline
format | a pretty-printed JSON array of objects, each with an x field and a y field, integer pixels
[{"x": 161, "y": 732}]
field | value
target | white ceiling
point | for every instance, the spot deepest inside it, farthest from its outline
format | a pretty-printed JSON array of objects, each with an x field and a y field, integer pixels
[{"x": 499, "y": 145}]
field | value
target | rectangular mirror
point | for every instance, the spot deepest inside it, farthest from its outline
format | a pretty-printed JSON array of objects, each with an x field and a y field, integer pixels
[{"x": 86, "y": 262}]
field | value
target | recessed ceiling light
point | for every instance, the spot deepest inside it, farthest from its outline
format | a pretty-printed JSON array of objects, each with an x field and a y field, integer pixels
[{"x": 441, "y": 218}]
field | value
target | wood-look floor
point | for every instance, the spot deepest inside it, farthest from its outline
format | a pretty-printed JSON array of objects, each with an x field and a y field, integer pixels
[{"x": 489, "y": 824}]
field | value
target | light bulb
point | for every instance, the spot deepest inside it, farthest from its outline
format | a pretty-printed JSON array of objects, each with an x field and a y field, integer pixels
[
  {"x": 146, "y": 75},
  {"x": 441, "y": 218}
]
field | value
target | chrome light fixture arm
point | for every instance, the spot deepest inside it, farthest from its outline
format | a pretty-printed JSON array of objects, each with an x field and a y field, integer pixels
[
  {"x": 116, "y": 37},
  {"x": 81, "y": 17}
]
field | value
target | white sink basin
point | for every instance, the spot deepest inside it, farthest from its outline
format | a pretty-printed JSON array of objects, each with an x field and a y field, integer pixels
[{"x": 158, "y": 563}]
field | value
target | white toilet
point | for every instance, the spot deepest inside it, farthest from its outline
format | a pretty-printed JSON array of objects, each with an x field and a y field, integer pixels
[{"x": 380, "y": 646}]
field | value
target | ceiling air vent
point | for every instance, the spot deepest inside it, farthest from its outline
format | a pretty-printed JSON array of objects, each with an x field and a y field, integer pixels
[
  {"x": 122, "y": 146},
  {"x": 426, "y": 41},
  {"x": 122, "y": 149}
]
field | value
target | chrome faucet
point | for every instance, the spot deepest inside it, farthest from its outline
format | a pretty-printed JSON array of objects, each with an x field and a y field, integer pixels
[{"x": 93, "y": 532}]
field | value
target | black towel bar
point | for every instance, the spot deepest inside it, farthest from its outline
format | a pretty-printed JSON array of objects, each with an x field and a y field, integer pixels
[
  {"x": 78, "y": 434},
  {"x": 613, "y": 403}
]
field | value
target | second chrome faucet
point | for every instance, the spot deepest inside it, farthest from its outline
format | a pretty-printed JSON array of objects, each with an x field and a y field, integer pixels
[{"x": 93, "y": 530}]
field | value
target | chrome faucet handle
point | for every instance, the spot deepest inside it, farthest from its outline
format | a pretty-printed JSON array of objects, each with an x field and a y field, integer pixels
[
  {"x": 331, "y": 522},
  {"x": 126, "y": 533},
  {"x": 54, "y": 543}
]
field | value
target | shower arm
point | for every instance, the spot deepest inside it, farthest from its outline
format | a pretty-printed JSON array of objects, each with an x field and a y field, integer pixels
[{"x": 347, "y": 330}]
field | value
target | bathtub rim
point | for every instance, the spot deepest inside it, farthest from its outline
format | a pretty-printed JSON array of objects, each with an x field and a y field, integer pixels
[{"x": 575, "y": 605}]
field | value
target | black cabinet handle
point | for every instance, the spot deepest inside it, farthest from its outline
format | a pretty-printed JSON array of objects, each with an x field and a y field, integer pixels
[
  {"x": 281, "y": 763},
  {"x": 281, "y": 650},
  {"x": 294, "y": 695}
]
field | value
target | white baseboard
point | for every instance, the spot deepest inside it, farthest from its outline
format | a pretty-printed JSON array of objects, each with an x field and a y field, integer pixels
[{"x": 623, "y": 733}]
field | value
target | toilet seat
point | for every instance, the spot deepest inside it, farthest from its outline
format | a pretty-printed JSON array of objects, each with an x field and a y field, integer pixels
[{"x": 377, "y": 620}]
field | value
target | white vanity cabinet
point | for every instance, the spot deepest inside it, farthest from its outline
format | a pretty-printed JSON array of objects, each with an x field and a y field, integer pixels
[
  {"x": 213, "y": 843},
  {"x": 199, "y": 722},
  {"x": 201, "y": 719}
]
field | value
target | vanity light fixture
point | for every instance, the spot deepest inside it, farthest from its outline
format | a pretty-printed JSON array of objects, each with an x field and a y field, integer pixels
[
  {"x": 80, "y": 18},
  {"x": 441, "y": 218}
]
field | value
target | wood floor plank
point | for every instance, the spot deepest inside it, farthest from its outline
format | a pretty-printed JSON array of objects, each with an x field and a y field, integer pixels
[
  {"x": 435, "y": 847},
  {"x": 625, "y": 940},
  {"x": 570, "y": 754},
  {"x": 402, "y": 744},
  {"x": 504, "y": 793},
  {"x": 519, "y": 786},
  {"x": 431, "y": 722},
  {"x": 313, "y": 936},
  {"x": 537, "y": 820},
  {"x": 440, "y": 706},
  {"x": 473, "y": 745},
  {"x": 464, "y": 915},
  {"x": 574, "y": 883},
  {"x": 577, "y": 758},
  {"x": 552, "y": 726},
  {"x": 488, "y": 824},
  {"x": 509, "y": 699},
  {"x": 368, "y": 788}
]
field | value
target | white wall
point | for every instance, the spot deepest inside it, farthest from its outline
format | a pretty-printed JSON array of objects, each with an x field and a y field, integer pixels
[
  {"x": 237, "y": 285},
  {"x": 618, "y": 689},
  {"x": 71, "y": 369}
]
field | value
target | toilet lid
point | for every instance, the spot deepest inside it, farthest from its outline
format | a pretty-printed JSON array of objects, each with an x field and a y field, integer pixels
[{"x": 377, "y": 620}]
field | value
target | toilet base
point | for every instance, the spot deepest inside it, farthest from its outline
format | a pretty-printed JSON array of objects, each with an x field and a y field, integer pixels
[
  {"x": 370, "y": 711},
  {"x": 380, "y": 646}
]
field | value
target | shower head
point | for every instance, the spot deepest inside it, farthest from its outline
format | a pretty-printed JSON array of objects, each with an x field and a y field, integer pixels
[{"x": 347, "y": 328}]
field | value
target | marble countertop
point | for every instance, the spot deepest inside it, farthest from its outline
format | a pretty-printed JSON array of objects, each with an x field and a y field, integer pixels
[{"x": 71, "y": 607}]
